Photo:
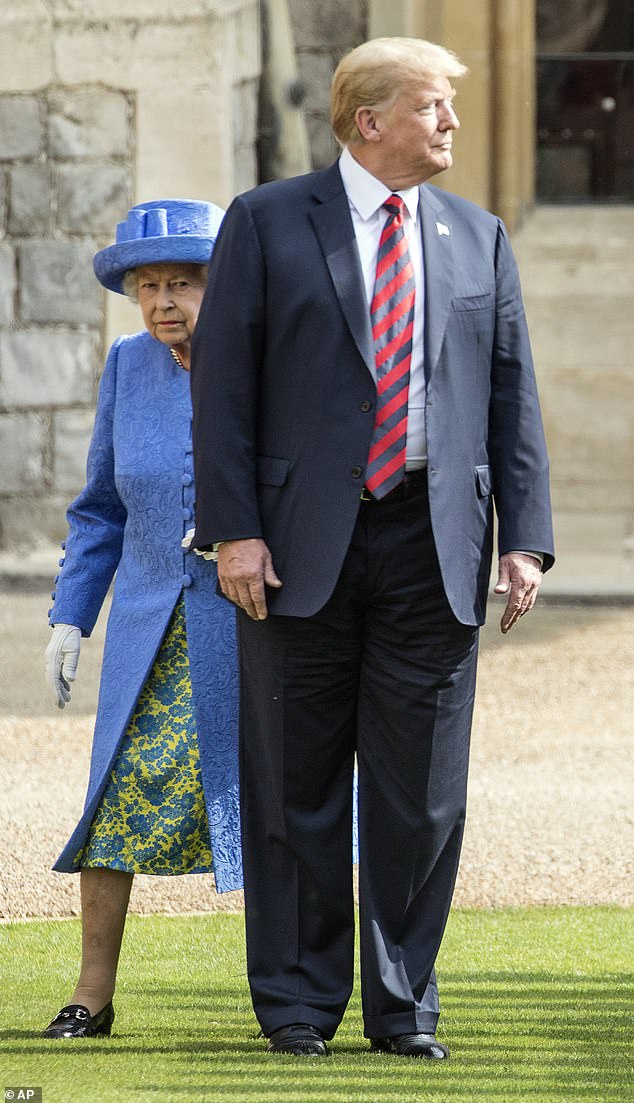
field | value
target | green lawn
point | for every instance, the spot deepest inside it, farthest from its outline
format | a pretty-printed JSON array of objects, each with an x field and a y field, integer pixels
[{"x": 535, "y": 1002}]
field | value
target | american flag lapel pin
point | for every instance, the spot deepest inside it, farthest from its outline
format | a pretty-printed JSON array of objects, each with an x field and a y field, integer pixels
[{"x": 443, "y": 231}]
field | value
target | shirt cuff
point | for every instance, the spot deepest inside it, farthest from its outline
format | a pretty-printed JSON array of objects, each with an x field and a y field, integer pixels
[{"x": 535, "y": 554}]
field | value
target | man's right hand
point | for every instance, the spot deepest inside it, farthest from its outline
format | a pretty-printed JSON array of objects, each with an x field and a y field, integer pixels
[{"x": 245, "y": 567}]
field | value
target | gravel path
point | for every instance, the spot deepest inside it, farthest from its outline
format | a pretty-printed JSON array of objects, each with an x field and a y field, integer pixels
[{"x": 550, "y": 807}]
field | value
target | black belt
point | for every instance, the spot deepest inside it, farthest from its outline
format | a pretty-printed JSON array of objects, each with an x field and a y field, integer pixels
[{"x": 412, "y": 484}]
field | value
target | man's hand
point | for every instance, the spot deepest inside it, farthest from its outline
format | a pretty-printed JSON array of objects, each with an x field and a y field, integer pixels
[
  {"x": 520, "y": 576},
  {"x": 245, "y": 567}
]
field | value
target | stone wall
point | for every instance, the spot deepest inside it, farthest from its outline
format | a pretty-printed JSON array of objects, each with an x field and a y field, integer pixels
[
  {"x": 65, "y": 176},
  {"x": 578, "y": 280},
  {"x": 324, "y": 30},
  {"x": 99, "y": 109}
]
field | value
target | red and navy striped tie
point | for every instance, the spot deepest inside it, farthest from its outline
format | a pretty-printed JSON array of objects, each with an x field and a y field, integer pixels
[{"x": 392, "y": 316}]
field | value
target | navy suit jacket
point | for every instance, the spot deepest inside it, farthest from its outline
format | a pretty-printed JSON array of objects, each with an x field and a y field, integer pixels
[{"x": 281, "y": 382}]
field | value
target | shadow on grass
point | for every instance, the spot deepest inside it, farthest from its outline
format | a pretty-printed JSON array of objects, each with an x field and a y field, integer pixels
[
  {"x": 387, "y": 1091},
  {"x": 514, "y": 1036}
]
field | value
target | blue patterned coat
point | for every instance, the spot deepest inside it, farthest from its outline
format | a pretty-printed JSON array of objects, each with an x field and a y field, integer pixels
[{"x": 130, "y": 518}]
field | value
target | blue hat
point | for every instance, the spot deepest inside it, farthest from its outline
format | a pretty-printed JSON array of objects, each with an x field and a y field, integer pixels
[{"x": 180, "y": 231}]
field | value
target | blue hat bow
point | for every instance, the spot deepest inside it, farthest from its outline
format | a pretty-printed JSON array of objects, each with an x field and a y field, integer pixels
[{"x": 178, "y": 231}]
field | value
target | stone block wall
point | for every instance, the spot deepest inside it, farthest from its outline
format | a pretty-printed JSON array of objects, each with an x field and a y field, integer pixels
[
  {"x": 578, "y": 280},
  {"x": 102, "y": 104},
  {"x": 66, "y": 159},
  {"x": 324, "y": 30}
]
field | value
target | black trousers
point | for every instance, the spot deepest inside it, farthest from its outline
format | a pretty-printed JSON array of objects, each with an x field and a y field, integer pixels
[{"x": 385, "y": 671}]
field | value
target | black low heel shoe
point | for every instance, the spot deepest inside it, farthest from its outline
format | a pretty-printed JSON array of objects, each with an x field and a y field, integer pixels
[{"x": 75, "y": 1021}]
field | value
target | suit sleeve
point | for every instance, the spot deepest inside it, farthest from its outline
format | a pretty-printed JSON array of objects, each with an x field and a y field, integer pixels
[
  {"x": 517, "y": 446},
  {"x": 226, "y": 351},
  {"x": 96, "y": 521}
]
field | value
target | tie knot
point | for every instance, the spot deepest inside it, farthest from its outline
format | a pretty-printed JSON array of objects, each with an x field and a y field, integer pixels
[{"x": 394, "y": 205}]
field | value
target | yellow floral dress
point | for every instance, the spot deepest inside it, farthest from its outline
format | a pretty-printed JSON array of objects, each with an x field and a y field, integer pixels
[{"x": 152, "y": 817}]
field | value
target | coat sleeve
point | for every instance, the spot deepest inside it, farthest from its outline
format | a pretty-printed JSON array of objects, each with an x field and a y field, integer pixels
[
  {"x": 96, "y": 521},
  {"x": 226, "y": 351},
  {"x": 517, "y": 446}
]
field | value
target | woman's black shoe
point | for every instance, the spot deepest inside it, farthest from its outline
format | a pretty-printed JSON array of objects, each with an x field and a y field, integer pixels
[{"x": 75, "y": 1021}]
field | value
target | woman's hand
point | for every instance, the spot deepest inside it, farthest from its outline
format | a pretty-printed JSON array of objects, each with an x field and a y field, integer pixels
[{"x": 62, "y": 657}]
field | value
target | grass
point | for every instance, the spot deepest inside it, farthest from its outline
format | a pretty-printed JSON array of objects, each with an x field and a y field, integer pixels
[{"x": 535, "y": 1009}]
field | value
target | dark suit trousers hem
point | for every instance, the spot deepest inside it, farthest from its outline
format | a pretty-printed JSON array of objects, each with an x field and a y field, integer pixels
[
  {"x": 300, "y": 1013},
  {"x": 385, "y": 671},
  {"x": 390, "y": 1025}
]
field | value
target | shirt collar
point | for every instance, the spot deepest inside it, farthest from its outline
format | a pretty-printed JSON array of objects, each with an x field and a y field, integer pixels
[{"x": 366, "y": 193}]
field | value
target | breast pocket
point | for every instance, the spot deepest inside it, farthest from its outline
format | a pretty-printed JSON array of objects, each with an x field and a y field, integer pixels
[{"x": 473, "y": 302}]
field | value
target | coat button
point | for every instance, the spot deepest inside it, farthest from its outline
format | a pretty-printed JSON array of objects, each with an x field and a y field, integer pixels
[
  {"x": 63, "y": 545},
  {"x": 186, "y": 580},
  {"x": 187, "y": 514},
  {"x": 356, "y": 472},
  {"x": 60, "y": 562},
  {"x": 56, "y": 579},
  {"x": 187, "y": 479},
  {"x": 365, "y": 406},
  {"x": 53, "y": 595}
]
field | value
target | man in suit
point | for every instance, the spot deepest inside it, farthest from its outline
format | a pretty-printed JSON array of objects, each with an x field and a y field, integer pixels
[{"x": 363, "y": 391}]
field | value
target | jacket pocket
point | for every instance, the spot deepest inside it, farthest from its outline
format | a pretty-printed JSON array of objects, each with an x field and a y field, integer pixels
[
  {"x": 483, "y": 480},
  {"x": 272, "y": 471},
  {"x": 473, "y": 302}
]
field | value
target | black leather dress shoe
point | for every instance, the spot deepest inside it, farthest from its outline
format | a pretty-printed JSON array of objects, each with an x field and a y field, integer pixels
[
  {"x": 412, "y": 1045},
  {"x": 299, "y": 1039},
  {"x": 75, "y": 1021}
]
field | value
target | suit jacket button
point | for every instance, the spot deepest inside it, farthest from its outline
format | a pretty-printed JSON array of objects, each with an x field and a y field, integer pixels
[
  {"x": 186, "y": 580},
  {"x": 187, "y": 479},
  {"x": 365, "y": 406},
  {"x": 356, "y": 472}
]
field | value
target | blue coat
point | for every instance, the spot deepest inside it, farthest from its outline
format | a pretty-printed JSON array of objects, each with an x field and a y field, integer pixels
[{"x": 130, "y": 518}]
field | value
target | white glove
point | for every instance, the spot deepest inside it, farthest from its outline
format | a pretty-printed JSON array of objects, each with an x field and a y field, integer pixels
[
  {"x": 62, "y": 657},
  {"x": 186, "y": 545}
]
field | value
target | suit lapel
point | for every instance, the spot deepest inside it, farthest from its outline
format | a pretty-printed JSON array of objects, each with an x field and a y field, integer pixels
[
  {"x": 439, "y": 262},
  {"x": 333, "y": 226}
]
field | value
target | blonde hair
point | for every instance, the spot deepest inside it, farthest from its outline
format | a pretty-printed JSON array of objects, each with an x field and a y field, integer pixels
[{"x": 376, "y": 72}]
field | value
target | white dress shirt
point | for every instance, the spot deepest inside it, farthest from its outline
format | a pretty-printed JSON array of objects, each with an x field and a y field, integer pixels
[{"x": 366, "y": 196}]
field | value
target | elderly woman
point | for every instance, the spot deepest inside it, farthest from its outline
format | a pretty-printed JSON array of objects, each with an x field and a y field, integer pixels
[{"x": 163, "y": 792}]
